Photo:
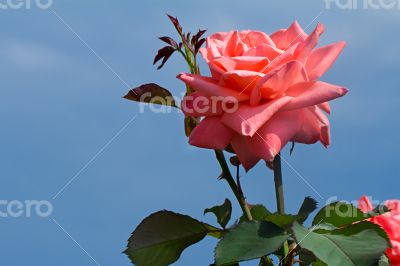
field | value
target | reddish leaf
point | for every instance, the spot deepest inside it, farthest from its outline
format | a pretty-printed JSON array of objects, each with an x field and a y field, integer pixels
[
  {"x": 198, "y": 45},
  {"x": 165, "y": 53},
  {"x": 151, "y": 93},
  {"x": 198, "y": 35},
  {"x": 170, "y": 41},
  {"x": 176, "y": 23}
]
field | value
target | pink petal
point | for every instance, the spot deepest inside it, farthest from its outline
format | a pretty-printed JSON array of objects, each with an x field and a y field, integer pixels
[
  {"x": 277, "y": 82},
  {"x": 321, "y": 59},
  {"x": 221, "y": 65},
  {"x": 204, "y": 54},
  {"x": 282, "y": 59},
  {"x": 248, "y": 119},
  {"x": 364, "y": 204},
  {"x": 393, "y": 205},
  {"x": 325, "y": 107},
  {"x": 211, "y": 134},
  {"x": 209, "y": 87},
  {"x": 198, "y": 105},
  {"x": 325, "y": 135},
  {"x": 256, "y": 38},
  {"x": 315, "y": 127},
  {"x": 233, "y": 45},
  {"x": 251, "y": 63},
  {"x": 286, "y": 37},
  {"x": 309, "y": 44},
  {"x": 394, "y": 253},
  {"x": 243, "y": 152},
  {"x": 275, "y": 134},
  {"x": 313, "y": 93},
  {"x": 241, "y": 80},
  {"x": 264, "y": 50},
  {"x": 218, "y": 36},
  {"x": 214, "y": 49}
]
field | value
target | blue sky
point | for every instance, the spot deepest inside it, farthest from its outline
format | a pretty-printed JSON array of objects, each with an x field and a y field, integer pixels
[{"x": 60, "y": 106}]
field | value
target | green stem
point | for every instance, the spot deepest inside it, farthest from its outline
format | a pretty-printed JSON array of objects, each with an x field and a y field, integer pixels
[
  {"x": 229, "y": 178},
  {"x": 280, "y": 199}
]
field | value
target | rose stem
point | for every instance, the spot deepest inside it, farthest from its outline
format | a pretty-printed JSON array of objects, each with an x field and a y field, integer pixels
[
  {"x": 280, "y": 199},
  {"x": 229, "y": 178}
]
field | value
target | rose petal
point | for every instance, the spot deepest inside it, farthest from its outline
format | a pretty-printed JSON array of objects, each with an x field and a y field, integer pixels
[
  {"x": 364, "y": 204},
  {"x": 251, "y": 63},
  {"x": 304, "y": 50},
  {"x": 325, "y": 135},
  {"x": 248, "y": 119},
  {"x": 241, "y": 80},
  {"x": 207, "y": 86},
  {"x": 214, "y": 48},
  {"x": 198, "y": 105},
  {"x": 286, "y": 37},
  {"x": 264, "y": 50},
  {"x": 245, "y": 155},
  {"x": 233, "y": 45},
  {"x": 282, "y": 59},
  {"x": 321, "y": 59},
  {"x": 325, "y": 107},
  {"x": 275, "y": 134},
  {"x": 220, "y": 36},
  {"x": 277, "y": 82},
  {"x": 313, "y": 93},
  {"x": 256, "y": 38},
  {"x": 211, "y": 134},
  {"x": 221, "y": 65},
  {"x": 315, "y": 127}
]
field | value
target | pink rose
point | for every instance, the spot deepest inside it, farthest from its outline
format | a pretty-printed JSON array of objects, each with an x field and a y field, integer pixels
[
  {"x": 390, "y": 222},
  {"x": 274, "y": 83}
]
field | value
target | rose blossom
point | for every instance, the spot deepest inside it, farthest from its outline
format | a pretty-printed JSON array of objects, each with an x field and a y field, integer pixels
[
  {"x": 274, "y": 80},
  {"x": 390, "y": 222}
]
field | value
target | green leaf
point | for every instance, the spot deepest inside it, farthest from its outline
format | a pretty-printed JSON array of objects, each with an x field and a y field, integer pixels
[
  {"x": 309, "y": 205},
  {"x": 249, "y": 240},
  {"x": 384, "y": 261},
  {"x": 190, "y": 123},
  {"x": 318, "y": 263},
  {"x": 258, "y": 212},
  {"x": 214, "y": 231},
  {"x": 361, "y": 226},
  {"x": 222, "y": 212},
  {"x": 340, "y": 214},
  {"x": 307, "y": 258},
  {"x": 358, "y": 245},
  {"x": 151, "y": 93},
  {"x": 161, "y": 238},
  {"x": 281, "y": 220}
]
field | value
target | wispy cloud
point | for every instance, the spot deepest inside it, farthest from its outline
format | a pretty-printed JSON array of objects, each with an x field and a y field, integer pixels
[{"x": 31, "y": 56}]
